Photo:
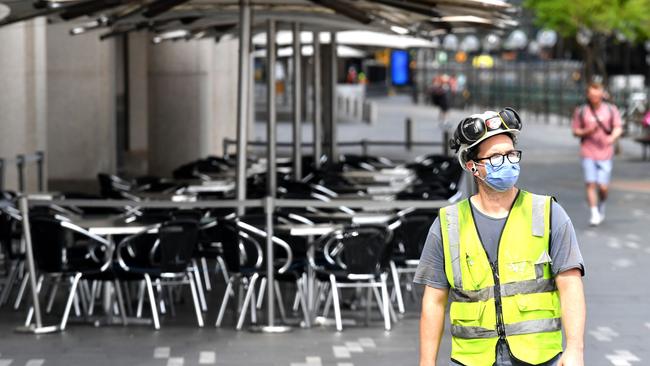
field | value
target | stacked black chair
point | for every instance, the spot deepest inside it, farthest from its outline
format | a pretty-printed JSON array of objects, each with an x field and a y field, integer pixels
[
  {"x": 168, "y": 262},
  {"x": 203, "y": 168},
  {"x": 408, "y": 242},
  {"x": 355, "y": 257},
  {"x": 290, "y": 262},
  {"x": 63, "y": 250},
  {"x": 243, "y": 256}
]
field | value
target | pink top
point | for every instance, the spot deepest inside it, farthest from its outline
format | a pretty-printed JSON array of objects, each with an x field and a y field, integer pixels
[{"x": 595, "y": 146}]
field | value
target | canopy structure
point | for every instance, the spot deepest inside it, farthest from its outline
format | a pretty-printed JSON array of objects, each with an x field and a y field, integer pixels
[
  {"x": 167, "y": 20},
  {"x": 195, "y": 19}
]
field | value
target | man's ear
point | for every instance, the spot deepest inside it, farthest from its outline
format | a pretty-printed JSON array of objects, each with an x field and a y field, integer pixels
[{"x": 471, "y": 166}]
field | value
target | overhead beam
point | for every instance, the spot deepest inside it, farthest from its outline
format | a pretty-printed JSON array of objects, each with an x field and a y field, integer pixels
[{"x": 346, "y": 9}]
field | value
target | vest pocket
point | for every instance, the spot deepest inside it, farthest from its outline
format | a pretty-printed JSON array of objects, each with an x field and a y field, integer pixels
[
  {"x": 541, "y": 302},
  {"x": 466, "y": 312}
]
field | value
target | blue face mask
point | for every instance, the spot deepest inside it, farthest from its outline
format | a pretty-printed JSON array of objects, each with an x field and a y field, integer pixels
[{"x": 503, "y": 177}]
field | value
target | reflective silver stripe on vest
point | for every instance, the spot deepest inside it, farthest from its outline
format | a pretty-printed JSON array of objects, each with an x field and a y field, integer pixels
[
  {"x": 453, "y": 235},
  {"x": 507, "y": 289},
  {"x": 534, "y": 326},
  {"x": 525, "y": 327},
  {"x": 471, "y": 296},
  {"x": 528, "y": 287},
  {"x": 472, "y": 332},
  {"x": 538, "y": 215}
]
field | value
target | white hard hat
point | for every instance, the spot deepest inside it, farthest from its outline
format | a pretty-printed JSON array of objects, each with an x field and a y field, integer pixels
[{"x": 477, "y": 123}]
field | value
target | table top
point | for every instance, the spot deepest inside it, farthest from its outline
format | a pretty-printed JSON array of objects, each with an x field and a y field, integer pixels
[
  {"x": 110, "y": 225},
  {"x": 307, "y": 230},
  {"x": 357, "y": 218}
]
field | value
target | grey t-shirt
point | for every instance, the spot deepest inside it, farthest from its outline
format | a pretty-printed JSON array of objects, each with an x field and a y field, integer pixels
[{"x": 564, "y": 251}]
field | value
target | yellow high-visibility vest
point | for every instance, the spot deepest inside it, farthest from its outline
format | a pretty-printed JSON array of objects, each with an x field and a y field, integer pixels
[{"x": 516, "y": 298}]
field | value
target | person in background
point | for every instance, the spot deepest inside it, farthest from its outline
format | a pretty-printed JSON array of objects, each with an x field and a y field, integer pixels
[{"x": 598, "y": 125}]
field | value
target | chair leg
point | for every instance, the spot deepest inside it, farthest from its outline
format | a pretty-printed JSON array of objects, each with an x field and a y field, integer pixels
[
  {"x": 319, "y": 289},
  {"x": 280, "y": 301},
  {"x": 206, "y": 274},
  {"x": 223, "y": 269},
  {"x": 398, "y": 287},
  {"x": 224, "y": 303},
  {"x": 386, "y": 303},
  {"x": 378, "y": 297},
  {"x": 21, "y": 291},
  {"x": 296, "y": 302},
  {"x": 93, "y": 297},
  {"x": 253, "y": 308},
  {"x": 261, "y": 293},
  {"x": 30, "y": 312},
  {"x": 53, "y": 292},
  {"x": 328, "y": 304},
  {"x": 138, "y": 311},
  {"x": 247, "y": 299},
  {"x": 195, "y": 299},
  {"x": 337, "y": 304},
  {"x": 71, "y": 297},
  {"x": 199, "y": 285},
  {"x": 302, "y": 296},
  {"x": 152, "y": 301},
  {"x": 120, "y": 301},
  {"x": 163, "y": 307}
]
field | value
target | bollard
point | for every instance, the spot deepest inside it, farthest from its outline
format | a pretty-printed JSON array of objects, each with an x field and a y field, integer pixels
[
  {"x": 364, "y": 147},
  {"x": 20, "y": 166},
  {"x": 409, "y": 133},
  {"x": 40, "y": 157},
  {"x": 2, "y": 174}
]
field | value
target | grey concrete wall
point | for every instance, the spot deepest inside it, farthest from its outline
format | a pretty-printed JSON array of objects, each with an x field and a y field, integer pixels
[
  {"x": 58, "y": 95},
  {"x": 192, "y": 101},
  {"x": 22, "y": 96},
  {"x": 81, "y": 104}
]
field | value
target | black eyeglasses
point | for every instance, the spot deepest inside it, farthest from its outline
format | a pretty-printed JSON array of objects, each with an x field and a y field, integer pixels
[{"x": 496, "y": 160}]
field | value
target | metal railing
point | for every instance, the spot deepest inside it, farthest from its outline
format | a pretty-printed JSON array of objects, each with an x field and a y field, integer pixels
[
  {"x": 363, "y": 144},
  {"x": 21, "y": 161}
]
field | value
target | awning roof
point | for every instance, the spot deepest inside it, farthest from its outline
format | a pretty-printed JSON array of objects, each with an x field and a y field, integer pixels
[{"x": 214, "y": 18}]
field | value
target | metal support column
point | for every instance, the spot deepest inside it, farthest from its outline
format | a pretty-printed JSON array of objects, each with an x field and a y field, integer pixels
[
  {"x": 333, "y": 64},
  {"x": 243, "y": 98},
  {"x": 269, "y": 203},
  {"x": 318, "y": 99},
  {"x": 297, "y": 103},
  {"x": 271, "y": 138},
  {"x": 269, "y": 207}
]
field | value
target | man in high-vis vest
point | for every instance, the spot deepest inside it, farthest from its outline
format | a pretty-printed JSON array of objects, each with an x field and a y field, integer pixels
[{"x": 507, "y": 260}]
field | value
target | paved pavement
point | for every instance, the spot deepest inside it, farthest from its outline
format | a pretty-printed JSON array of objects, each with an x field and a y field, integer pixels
[{"x": 616, "y": 255}]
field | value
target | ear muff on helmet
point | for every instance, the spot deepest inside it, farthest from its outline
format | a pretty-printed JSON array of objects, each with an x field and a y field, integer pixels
[{"x": 511, "y": 118}]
